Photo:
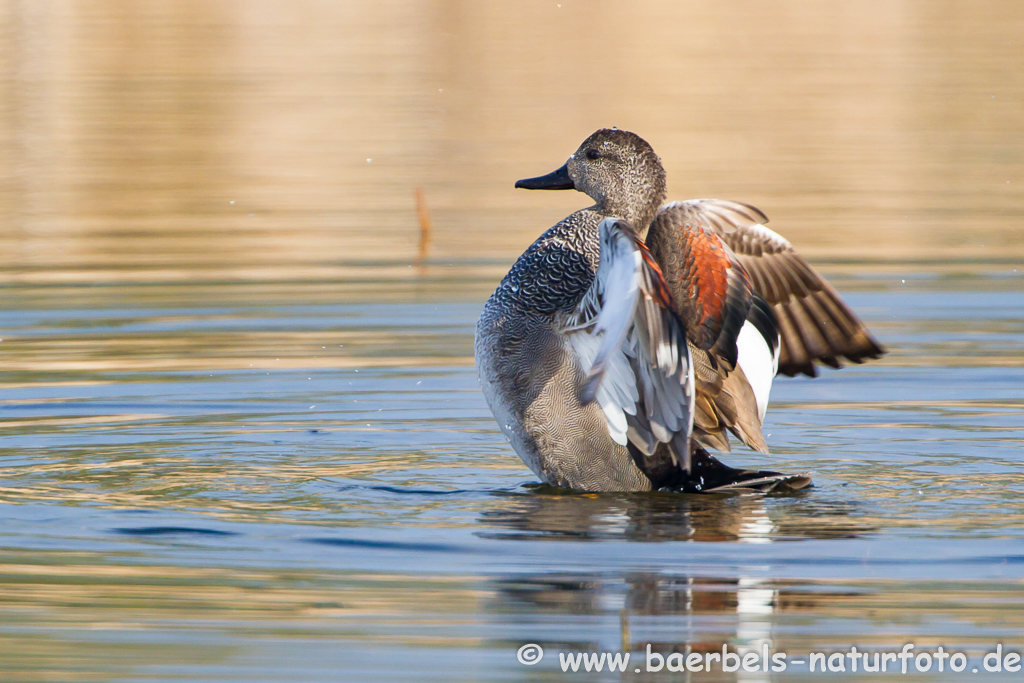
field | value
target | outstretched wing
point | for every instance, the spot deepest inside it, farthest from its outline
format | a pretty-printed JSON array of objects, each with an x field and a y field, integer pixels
[
  {"x": 814, "y": 323},
  {"x": 633, "y": 347}
]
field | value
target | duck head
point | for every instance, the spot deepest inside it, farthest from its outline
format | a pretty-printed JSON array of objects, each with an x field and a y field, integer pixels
[{"x": 615, "y": 168}]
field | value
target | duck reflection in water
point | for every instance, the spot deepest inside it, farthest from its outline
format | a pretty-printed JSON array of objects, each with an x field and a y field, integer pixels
[
  {"x": 541, "y": 512},
  {"x": 670, "y": 611}
]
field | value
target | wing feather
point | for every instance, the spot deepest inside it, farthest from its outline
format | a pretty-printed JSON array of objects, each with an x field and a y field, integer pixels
[
  {"x": 711, "y": 290},
  {"x": 633, "y": 348}
]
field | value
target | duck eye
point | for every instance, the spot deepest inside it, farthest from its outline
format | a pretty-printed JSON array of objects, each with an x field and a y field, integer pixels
[{"x": 593, "y": 154}]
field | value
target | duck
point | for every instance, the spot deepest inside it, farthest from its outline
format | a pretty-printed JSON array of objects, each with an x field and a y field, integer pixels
[{"x": 636, "y": 334}]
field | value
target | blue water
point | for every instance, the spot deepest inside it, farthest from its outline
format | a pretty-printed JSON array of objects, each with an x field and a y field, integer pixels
[{"x": 203, "y": 485}]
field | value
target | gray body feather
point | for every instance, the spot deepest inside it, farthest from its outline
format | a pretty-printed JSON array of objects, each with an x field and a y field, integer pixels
[{"x": 529, "y": 374}]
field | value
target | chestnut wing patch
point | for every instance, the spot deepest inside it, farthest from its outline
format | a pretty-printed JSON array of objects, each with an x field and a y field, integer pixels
[{"x": 711, "y": 289}]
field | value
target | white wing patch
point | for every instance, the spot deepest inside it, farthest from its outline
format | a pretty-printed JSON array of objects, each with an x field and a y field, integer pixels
[
  {"x": 633, "y": 348},
  {"x": 758, "y": 362}
]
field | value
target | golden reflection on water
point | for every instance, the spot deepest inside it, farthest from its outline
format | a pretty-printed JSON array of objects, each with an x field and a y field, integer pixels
[{"x": 185, "y": 136}]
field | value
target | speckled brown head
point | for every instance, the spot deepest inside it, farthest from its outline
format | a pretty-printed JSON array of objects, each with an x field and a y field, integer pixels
[{"x": 618, "y": 170}]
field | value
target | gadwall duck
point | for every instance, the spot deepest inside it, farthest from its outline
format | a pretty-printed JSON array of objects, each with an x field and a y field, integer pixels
[{"x": 611, "y": 361}]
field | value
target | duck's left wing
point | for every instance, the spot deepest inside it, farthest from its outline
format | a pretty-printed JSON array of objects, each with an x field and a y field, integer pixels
[
  {"x": 732, "y": 329},
  {"x": 815, "y": 325},
  {"x": 633, "y": 347}
]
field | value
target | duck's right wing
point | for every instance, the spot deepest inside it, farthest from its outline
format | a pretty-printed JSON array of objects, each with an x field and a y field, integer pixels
[{"x": 632, "y": 345}]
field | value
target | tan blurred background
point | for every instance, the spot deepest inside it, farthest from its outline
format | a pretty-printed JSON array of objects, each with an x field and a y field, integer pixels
[{"x": 164, "y": 139}]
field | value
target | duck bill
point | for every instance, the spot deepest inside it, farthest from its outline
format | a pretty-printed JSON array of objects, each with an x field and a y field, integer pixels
[{"x": 556, "y": 180}]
